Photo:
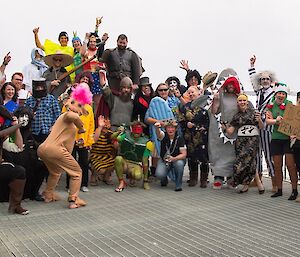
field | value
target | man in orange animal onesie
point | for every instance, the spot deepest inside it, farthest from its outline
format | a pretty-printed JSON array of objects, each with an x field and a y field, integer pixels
[{"x": 57, "y": 148}]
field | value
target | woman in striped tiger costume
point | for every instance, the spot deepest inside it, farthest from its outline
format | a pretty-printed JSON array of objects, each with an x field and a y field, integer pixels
[{"x": 103, "y": 152}]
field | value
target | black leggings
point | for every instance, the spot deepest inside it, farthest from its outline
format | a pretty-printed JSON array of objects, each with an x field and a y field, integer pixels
[{"x": 10, "y": 172}]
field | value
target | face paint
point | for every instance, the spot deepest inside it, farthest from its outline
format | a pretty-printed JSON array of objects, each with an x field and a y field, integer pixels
[
  {"x": 173, "y": 83},
  {"x": 23, "y": 120},
  {"x": 137, "y": 129}
]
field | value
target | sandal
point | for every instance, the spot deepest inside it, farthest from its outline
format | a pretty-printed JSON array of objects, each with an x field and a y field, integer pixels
[{"x": 119, "y": 188}]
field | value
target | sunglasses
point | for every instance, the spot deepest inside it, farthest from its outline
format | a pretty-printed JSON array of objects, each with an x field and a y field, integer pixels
[
  {"x": 57, "y": 60},
  {"x": 163, "y": 90}
]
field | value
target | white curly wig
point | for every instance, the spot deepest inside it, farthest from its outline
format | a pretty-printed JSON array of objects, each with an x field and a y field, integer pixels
[{"x": 257, "y": 77}]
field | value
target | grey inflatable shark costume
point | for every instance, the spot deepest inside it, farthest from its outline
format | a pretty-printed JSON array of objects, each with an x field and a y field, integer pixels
[{"x": 220, "y": 147}]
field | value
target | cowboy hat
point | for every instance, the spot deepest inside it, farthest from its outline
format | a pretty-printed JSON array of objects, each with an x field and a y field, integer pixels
[
  {"x": 209, "y": 79},
  {"x": 66, "y": 59}
]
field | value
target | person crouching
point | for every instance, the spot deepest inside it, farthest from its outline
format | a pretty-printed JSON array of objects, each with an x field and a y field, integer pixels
[{"x": 172, "y": 154}]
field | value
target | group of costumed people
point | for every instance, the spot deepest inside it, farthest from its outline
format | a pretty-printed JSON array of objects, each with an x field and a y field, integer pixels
[{"x": 111, "y": 119}]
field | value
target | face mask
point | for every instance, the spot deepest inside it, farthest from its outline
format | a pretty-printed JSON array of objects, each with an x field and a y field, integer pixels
[{"x": 39, "y": 93}]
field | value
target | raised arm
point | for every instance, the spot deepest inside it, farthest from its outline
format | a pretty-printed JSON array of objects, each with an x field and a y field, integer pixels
[
  {"x": 160, "y": 134},
  {"x": 101, "y": 124},
  {"x": 184, "y": 64},
  {"x": 107, "y": 94},
  {"x": 37, "y": 39},
  {"x": 252, "y": 71},
  {"x": 6, "y": 60}
]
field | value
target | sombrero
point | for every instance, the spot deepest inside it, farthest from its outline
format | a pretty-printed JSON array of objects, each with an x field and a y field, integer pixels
[{"x": 66, "y": 59}]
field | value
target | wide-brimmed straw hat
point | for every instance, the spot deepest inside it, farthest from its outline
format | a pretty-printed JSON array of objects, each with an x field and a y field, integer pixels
[{"x": 66, "y": 59}]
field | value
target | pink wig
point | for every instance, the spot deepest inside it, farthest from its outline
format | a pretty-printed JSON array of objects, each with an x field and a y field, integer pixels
[{"x": 82, "y": 95}]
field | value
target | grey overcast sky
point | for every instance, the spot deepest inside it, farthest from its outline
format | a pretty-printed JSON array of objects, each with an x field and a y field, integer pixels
[{"x": 212, "y": 34}]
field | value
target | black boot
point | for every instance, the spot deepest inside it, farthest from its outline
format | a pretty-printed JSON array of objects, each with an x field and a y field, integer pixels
[
  {"x": 164, "y": 182},
  {"x": 193, "y": 178},
  {"x": 278, "y": 193},
  {"x": 152, "y": 171},
  {"x": 294, "y": 195}
]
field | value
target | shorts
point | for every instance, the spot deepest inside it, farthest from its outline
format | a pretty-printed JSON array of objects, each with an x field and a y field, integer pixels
[{"x": 280, "y": 147}]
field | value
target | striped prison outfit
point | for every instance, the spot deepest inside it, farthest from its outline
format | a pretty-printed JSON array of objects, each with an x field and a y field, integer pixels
[{"x": 263, "y": 97}]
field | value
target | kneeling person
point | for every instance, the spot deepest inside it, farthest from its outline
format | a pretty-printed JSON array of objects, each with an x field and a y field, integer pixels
[{"x": 135, "y": 149}]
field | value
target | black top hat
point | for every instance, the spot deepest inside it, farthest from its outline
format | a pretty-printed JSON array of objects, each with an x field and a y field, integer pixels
[{"x": 145, "y": 81}]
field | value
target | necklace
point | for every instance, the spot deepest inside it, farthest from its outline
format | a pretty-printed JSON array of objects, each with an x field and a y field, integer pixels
[
  {"x": 171, "y": 150},
  {"x": 56, "y": 73}
]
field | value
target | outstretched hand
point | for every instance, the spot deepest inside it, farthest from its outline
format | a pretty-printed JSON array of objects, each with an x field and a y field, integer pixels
[
  {"x": 252, "y": 60},
  {"x": 98, "y": 21},
  {"x": 184, "y": 65},
  {"x": 6, "y": 58}
]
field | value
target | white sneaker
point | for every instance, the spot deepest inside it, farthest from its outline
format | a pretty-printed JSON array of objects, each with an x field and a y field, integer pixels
[{"x": 84, "y": 189}]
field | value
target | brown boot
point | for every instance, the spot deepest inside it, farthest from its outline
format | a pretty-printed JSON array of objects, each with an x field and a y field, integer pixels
[
  {"x": 204, "y": 170},
  {"x": 203, "y": 179},
  {"x": 193, "y": 178},
  {"x": 15, "y": 197}
]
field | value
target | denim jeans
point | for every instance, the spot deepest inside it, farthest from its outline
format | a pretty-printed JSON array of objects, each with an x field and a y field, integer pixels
[{"x": 178, "y": 166}]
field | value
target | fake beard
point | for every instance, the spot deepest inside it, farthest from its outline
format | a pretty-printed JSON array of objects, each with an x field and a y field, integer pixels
[
  {"x": 125, "y": 97},
  {"x": 38, "y": 94}
]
